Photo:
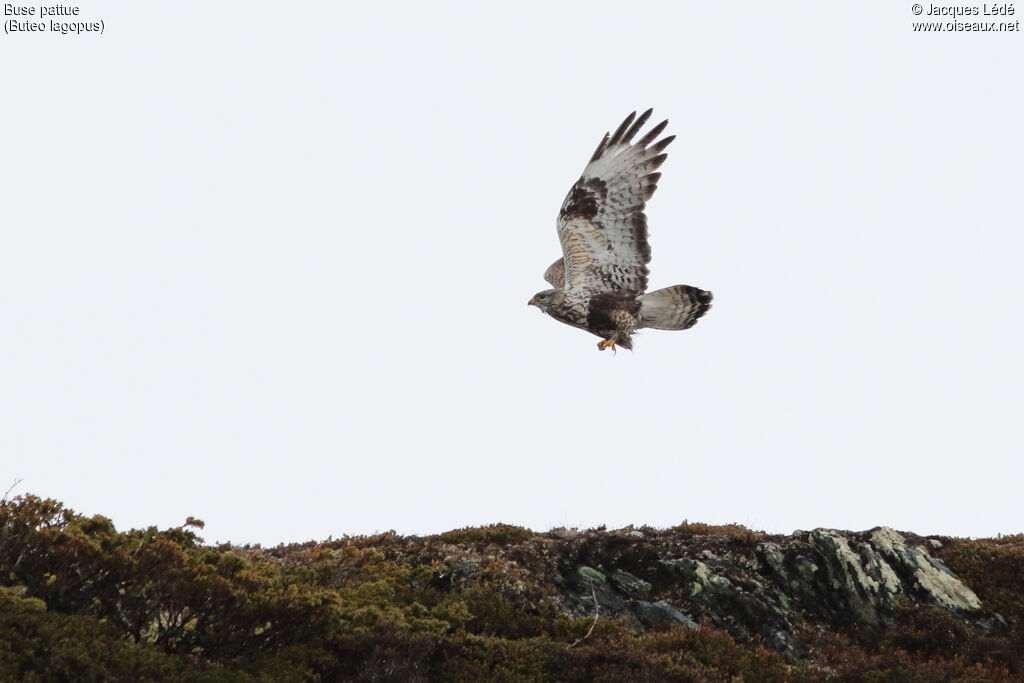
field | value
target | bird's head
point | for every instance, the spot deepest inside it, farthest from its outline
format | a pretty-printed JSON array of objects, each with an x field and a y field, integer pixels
[{"x": 543, "y": 300}]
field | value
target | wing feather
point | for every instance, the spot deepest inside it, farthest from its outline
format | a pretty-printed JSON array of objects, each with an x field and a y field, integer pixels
[
  {"x": 617, "y": 135},
  {"x": 601, "y": 226},
  {"x": 637, "y": 125},
  {"x": 555, "y": 274}
]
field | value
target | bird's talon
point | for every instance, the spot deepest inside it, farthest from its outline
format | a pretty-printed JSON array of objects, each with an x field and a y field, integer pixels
[{"x": 607, "y": 344}]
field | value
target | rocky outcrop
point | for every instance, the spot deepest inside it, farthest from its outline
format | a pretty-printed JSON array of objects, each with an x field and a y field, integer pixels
[{"x": 772, "y": 587}]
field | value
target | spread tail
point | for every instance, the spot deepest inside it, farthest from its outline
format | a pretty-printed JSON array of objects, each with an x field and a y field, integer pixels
[{"x": 673, "y": 308}]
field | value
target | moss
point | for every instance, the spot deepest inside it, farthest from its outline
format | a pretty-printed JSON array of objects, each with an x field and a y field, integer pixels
[{"x": 494, "y": 534}]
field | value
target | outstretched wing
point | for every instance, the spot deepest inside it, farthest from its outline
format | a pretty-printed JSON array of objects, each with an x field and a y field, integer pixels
[{"x": 602, "y": 226}]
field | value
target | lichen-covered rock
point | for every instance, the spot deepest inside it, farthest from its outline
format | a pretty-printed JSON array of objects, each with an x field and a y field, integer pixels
[
  {"x": 769, "y": 587},
  {"x": 858, "y": 584},
  {"x": 928, "y": 576}
]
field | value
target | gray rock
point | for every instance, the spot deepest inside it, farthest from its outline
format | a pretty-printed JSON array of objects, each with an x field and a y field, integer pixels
[
  {"x": 661, "y": 613},
  {"x": 591, "y": 583},
  {"x": 585, "y": 576},
  {"x": 929, "y": 575},
  {"x": 777, "y": 588},
  {"x": 857, "y": 591},
  {"x": 630, "y": 585}
]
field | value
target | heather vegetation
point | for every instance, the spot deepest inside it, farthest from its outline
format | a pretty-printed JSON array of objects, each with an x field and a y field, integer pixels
[{"x": 80, "y": 600}]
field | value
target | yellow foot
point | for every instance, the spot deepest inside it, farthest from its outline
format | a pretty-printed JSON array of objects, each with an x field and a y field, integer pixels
[{"x": 606, "y": 344}]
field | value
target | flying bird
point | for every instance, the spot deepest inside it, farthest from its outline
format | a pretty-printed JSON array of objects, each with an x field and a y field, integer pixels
[{"x": 601, "y": 279}]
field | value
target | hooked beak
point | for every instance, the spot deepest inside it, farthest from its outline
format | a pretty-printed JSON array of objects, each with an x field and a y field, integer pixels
[{"x": 532, "y": 302}]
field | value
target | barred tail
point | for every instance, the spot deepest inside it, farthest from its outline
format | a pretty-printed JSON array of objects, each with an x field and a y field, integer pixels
[{"x": 673, "y": 308}]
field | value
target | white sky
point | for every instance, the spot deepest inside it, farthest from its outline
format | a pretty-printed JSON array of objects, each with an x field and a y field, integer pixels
[{"x": 267, "y": 264}]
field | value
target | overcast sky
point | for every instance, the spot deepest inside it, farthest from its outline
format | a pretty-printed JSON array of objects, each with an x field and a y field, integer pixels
[{"x": 267, "y": 264}]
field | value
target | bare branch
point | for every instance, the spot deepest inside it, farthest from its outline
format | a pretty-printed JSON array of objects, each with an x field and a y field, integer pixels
[
  {"x": 597, "y": 613},
  {"x": 8, "y": 491}
]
